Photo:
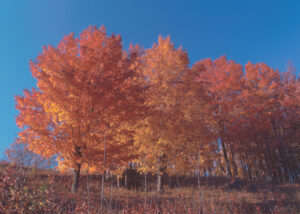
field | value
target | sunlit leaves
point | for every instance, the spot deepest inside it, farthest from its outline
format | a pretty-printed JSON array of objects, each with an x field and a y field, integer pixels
[
  {"x": 86, "y": 90},
  {"x": 149, "y": 106}
]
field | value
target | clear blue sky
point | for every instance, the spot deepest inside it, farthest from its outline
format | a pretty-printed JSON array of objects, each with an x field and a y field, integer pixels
[{"x": 256, "y": 31}]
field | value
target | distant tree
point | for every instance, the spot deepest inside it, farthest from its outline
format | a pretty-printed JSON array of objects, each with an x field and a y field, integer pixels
[{"x": 19, "y": 154}]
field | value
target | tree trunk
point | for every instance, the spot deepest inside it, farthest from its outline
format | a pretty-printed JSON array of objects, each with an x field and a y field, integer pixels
[
  {"x": 221, "y": 166},
  {"x": 118, "y": 181},
  {"x": 235, "y": 171},
  {"x": 145, "y": 202},
  {"x": 103, "y": 174},
  {"x": 249, "y": 172},
  {"x": 285, "y": 163},
  {"x": 199, "y": 184},
  {"x": 159, "y": 183},
  {"x": 243, "y": 168},
  {"x": 125, "y": 180},
  {"x": 76, "y": 178},
  {"x": 226, "y": 159},
  {"x": 160, "y": 180}
]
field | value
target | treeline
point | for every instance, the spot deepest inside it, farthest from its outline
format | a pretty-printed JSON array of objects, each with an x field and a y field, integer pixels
[{"x": 98, "y": 107}]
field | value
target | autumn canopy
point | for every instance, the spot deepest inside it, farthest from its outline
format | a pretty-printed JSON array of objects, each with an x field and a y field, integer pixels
[{"x": 101, "y": 107}]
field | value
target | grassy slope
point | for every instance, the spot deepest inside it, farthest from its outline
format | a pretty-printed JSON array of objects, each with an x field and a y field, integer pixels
[{"x": 31, "y": 190}]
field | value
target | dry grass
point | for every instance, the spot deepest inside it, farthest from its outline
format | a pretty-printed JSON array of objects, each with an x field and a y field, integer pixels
[{"x": 28, "y": 190}]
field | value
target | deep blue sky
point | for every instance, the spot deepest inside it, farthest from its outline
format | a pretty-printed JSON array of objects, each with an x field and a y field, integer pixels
[{"x": 256, "y": 31}]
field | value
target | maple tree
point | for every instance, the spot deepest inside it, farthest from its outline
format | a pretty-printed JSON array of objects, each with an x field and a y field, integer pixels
[
  {"x": 85, "y": 88},
  {"x": 162, "y": 67},
  {"x": 251, "y": 117},
  {"x": 175, "y": 127},
  {"x": 223, "y": 83},
  {"x": 266, "y": 122}
]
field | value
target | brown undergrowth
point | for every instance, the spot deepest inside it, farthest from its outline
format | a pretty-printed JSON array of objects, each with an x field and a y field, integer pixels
[{"x": 30, "y": 190}]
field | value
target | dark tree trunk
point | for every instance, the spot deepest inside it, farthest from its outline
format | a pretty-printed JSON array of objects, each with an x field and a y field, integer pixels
[
  {"x": 226, "y": 159},
  {"x": 285, "y": 164},
  {"x": 244, "y": 168},
  {"x": 249, "y": 172},
  {"x": 221, "y": 166},
  {"x": 235, "y": 171},
  {"x": 125, "y": 180},
  {"x": 76, "y": 178},
  {"x": 145, "y": 190}
]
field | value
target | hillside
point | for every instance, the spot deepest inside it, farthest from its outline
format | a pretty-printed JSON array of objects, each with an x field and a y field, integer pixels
[{"x": 31, "y": 190}]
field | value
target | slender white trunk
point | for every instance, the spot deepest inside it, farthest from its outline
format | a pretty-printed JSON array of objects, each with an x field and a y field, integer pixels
[
  {"x": 125, "y": 179},
  {"x": 118, "y": 182},
  {"x": 199, "y": 185},
  {"x": 103, "y": 175},
  {"x": 88, "y": 188},
  {"x": 145, "y": 186},
  {"x": 111, "y": 190}
]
